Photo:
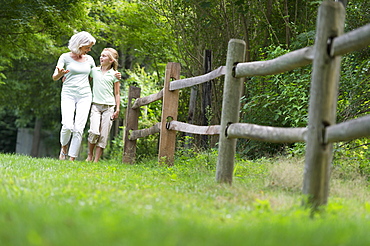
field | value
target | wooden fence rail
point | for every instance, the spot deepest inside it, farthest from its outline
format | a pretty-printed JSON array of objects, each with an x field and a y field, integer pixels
[
  {"x": 142, "y": 101},
  {"x": 351, "y": 41},
  {"x": 136, "y": 134},
  {"x": 345, "y": 131},
  {"x": 321, "y": 131},
  {"x": 266, "y": 133},
  {"x": 188, "y": 82},
  {"x": 348, "y": 130},
  {"x": 193, "y": 129}
]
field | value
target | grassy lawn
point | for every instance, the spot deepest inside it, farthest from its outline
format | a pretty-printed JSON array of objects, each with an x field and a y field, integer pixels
[{"x": 52, "y": 202}]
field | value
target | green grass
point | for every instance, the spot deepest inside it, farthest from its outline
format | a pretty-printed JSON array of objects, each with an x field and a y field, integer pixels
[{"x": 52, "y": 202}]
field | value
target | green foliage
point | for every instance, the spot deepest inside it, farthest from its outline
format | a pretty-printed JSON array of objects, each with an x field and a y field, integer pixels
[
  {"x": 24, "y": 93},
  {"x": 277, "y": 100},
  {"x": 23, "y": 23},
  {"x": 354, "y": 89},
  {"x": 250, "y": 170},
  {"x": 353, "y": 157},
  {"x": 357, "y": 14},
  {"x": 283, "y": 96},
  {"x": 141, "y": 35},
  {"x": 296, "y": 149},
  {"x": 114, "y": 150},
  {"x": 195, "y": 158},
  {"x": 304, "y": 39}
]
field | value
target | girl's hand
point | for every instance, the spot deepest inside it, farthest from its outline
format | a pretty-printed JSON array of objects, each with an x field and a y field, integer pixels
[{"x": 115, "y": 115}]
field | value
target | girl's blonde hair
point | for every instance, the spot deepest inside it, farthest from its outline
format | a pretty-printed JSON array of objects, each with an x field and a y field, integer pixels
[
  {"x": 80, "y": 39},
  {"x": 113, "y": 55}
]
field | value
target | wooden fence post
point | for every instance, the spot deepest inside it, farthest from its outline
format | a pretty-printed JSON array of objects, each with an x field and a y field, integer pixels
[
  {"x": 132, "y": 121},
  {"x": 230, "y": 111},
  {"x": 323, "y": 103},
  {"x": 170, "y": 101}
]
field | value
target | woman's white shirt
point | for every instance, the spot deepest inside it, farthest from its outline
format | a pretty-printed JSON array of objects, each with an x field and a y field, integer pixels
[{"x": 76, "y": 81}]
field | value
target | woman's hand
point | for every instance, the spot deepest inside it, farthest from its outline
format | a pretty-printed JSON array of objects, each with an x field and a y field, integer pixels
[
  {"x": 59, "y": 72},
  {"x": 118, "y": 75}
]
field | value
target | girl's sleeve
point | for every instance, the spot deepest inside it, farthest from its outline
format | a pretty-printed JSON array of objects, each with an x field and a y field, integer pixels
[
  {"x": 92, "y": 65},
  {"x": 92, "y": 72}
]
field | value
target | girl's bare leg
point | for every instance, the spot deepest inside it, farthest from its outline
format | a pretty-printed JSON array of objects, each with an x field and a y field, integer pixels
[
  {"x": 98, "y": 153},
  {"x": 91, "y": 152}
]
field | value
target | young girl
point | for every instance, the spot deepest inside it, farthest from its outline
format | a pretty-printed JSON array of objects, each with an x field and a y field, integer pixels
[{"x": 105, "y": 103}]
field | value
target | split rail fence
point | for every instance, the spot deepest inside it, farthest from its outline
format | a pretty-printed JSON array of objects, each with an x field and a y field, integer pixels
[{"x": 321, "y": 132}]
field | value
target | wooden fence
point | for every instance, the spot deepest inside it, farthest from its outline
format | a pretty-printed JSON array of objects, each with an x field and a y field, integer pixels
[{"x": 321, "y": 131}]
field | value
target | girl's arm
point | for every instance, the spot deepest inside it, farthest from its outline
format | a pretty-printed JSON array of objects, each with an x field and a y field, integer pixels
[{"x": 117, "y": 98}]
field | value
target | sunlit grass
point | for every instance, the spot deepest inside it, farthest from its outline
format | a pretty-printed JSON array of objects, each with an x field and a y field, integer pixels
[{"x": 52, "y": 202}]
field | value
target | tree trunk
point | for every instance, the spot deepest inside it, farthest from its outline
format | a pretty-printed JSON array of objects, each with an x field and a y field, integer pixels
[
  {"x": 268, "y": 21},
  {"x": 287, "y": 28},
  {"x": 191, "y": 112},
  {"x": 206, "y": 96},
  {"x": 246, "y": 39},
  {"x": 36, "y": 137}
]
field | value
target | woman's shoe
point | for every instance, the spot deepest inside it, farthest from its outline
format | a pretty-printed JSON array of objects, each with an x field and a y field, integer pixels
[{"x": 62, "y": 155}]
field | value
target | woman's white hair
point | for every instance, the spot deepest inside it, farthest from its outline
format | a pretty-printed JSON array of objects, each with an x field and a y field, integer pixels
[{"x": 80, "y": 39}]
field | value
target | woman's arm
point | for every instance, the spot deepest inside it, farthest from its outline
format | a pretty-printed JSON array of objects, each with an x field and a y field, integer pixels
[{"x": 59, "y": 73}]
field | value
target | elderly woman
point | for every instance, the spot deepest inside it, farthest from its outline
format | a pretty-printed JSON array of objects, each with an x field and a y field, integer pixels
[{"x": 76, "y": 95}]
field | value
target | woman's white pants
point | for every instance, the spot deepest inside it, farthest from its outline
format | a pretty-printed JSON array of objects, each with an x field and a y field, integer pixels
[{"x": 75, "y": 111}]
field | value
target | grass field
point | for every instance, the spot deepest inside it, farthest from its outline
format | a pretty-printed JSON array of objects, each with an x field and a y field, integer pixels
[{"x": 52, "y": 202}]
